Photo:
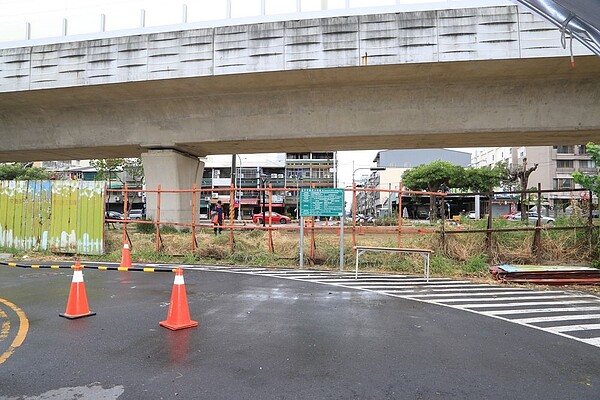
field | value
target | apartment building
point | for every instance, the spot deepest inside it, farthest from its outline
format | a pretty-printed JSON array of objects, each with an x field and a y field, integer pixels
[
  {"x": 395, "y": 163},
  {"x": 556, "y": 165},
  {"x": 282, "y": 171}
]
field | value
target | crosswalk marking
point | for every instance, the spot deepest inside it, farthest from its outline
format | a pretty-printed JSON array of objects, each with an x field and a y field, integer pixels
[
  {"x": 523, "y": 304},
  {"x": 415, "y": 284},
  {"x": 570, "y": 328},
  {"x": 507, "y": 300},
  {"x": 488, "y": 294},
  {"x": 551, "y": 308},
  {"x": 593, "y": 341},
  {"x": 560, "y": 318},
  {"x": 542, "y": 310}
]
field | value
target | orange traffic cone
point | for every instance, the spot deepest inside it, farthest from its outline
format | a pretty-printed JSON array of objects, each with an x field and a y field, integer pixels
[
  {"x": 77, "y": 305},
  {"x": 179, "y": 312},
  {"x": 126, "y": 257}
]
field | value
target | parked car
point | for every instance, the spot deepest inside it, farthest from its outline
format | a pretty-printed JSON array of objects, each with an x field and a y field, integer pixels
[
  {"x": 136, "y": 213},
  {"x": 114, "y": 215},
  {"x": 532, "y": 216},
  {"x": 276, "y": 218},
  {"x": 510, "y": 214}
]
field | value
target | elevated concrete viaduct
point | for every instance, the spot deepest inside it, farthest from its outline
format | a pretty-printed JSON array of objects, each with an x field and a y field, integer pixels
[
  {"x": 466, "y": 103},
  {"x": 452, "y": 78}
]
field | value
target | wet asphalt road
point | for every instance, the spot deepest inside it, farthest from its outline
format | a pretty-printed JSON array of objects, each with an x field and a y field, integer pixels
[{"x": 266, "y": 338}]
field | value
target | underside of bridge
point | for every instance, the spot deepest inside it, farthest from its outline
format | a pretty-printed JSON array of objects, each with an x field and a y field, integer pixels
[
  {"x": 170, "y": 123},
  {"x": 453, "y": 104}
]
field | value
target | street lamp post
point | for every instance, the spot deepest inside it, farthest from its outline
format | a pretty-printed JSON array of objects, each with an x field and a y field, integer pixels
[
  {"x": 239, "y": 176},
  {"x": 369, "y": 168},
  {"x": 354, "y": 181},
  {"x": 297, "y": 176},
  {"x": 263, "y": 184}
]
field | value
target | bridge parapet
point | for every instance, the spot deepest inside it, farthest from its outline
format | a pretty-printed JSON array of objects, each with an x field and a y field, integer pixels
[{"x": 485, "y": 33}]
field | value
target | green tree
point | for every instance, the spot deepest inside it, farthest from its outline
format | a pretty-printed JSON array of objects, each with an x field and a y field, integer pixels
[
  {"x": 122, "y": 170},
  {"x": 483, "y": 179},
  {"x": 433, "y": 177},
  {"x": 111, "y": 169},
  {"x": 108, "y": 169},
  {"x": 23, "y": 171},
  {"x": 590, "y": 182}
]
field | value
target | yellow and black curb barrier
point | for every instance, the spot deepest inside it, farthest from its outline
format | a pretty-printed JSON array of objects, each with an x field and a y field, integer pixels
[
  {"x": 98, "y": 267},
  {"x": 178, "y": 316}
]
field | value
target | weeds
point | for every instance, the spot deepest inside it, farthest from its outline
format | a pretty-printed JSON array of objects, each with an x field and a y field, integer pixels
[{"x": 461, "y": 255}]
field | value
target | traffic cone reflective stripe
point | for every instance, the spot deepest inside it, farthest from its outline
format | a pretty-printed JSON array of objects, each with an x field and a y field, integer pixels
[
  {"x": 179, "y": 312},
  {"x": 77, "y": 304},
  {"x": 126, "y": 257}
]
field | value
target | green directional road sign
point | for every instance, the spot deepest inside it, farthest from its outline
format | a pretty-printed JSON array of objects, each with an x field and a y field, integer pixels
[{"x": 323, "y": 202}]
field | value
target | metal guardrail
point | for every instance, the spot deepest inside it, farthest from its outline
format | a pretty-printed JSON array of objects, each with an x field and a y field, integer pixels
[
  {"x": 58, "y": 24},
  {"x": 425, "y": 253}
]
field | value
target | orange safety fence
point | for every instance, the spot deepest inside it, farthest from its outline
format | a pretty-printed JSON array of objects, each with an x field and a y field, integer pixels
[
  {"x": 266, "y": 193},
  {"x": 263, "y": 197}
]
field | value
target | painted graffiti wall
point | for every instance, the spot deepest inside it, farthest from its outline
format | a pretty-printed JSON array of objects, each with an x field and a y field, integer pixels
[{"x": 59, "y": 216}]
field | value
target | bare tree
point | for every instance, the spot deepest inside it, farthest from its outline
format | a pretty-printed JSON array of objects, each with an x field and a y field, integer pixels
[{"x": 521, "y": 174}]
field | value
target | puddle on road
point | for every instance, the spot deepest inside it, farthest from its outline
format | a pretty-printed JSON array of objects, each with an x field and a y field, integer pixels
[{"x": 93, "y": 391}]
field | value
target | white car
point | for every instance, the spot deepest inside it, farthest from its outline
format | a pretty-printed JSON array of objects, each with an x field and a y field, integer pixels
[
  {"x": 136, "y": 213},
  {"x": 532, "y": 216}
]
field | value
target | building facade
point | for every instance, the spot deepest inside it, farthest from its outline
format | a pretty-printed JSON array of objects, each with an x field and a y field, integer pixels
[
  {"x": 556, "y": 164},
  {"x": 396, "y": 162},
  {"x": 287, "y": 173}
]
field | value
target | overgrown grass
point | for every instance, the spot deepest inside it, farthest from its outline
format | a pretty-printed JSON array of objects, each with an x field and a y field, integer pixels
[{"x": 462, "y": 254}]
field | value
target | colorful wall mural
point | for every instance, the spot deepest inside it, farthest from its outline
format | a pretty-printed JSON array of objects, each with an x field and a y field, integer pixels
[{"x": 59, "y": 216}]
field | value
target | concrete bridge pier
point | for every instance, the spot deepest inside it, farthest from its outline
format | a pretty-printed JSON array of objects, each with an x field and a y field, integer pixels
[{"x": 172, "y": 170}]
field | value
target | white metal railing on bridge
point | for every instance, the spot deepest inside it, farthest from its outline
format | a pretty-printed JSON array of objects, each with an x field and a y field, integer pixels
[{"x": 47, "y": 22}]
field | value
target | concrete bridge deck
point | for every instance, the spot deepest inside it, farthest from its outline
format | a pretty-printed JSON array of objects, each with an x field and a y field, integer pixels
[{"x": 489, "y": 76}]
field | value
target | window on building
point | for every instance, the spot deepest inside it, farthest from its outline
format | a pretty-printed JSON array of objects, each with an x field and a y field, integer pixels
[
  {"x": 565, "y": 149},
  {"x": 587, "y": 164},
  {"x": 563, "y": 183},
  {"x": 564, "y": 164},
  {"x": 322, "y": 156}
]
